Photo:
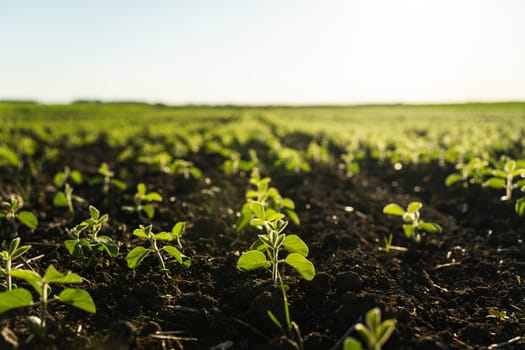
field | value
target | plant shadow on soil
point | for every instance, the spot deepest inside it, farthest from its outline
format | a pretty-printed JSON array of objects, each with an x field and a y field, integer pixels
[{"x": 439, "y": 290}]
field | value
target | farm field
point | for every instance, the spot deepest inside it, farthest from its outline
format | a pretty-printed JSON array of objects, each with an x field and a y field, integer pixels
[{"x": 228, "y": 188}]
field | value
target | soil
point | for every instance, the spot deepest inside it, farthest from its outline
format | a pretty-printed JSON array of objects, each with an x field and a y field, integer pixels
[{"x": 438, "y": 290}]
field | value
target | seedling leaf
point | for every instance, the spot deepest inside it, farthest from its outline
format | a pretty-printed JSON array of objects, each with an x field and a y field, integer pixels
[
  {"x": 494, "y": 182},
  {"x": 294, "y": 244},
  {"x": 181, "y": 258},
  {"x": 178, "y": 229},
  {"x": 251, "y": 260},
  {"x": 78, "y": 298},
  {"x": 149, "y": 210},
  {"x": 520, "y": 206},
  {"x": 393, "y": 209},
  {"x": 302, "y": 265},
  {"x": 414, "y": 207},
  {"x": 60, "y": 200},
  {"x": 429, "y": 227},
  {"x": 135, "y": 256},
  {"x": 352, "y": 344},
  {"x": 54, "y": 276},
  {"x": 15, "y": 298},
  {"x": 163, "y": 236},
  {"x": 452, "y": 179},
  {"x": 27, "y": 218}
]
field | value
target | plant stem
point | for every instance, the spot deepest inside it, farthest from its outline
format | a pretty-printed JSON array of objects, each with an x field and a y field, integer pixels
[
  {"x": 43, "y": 306},
  {"x": 8, "y": 271},
  {"x": 159, "y": 255}
]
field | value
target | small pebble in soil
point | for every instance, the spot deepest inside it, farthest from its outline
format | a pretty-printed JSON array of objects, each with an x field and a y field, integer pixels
[{"x": 8, "y": 339}]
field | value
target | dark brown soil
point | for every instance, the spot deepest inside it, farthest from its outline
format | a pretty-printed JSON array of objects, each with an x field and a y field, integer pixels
[{"x": 439, "y": 290}]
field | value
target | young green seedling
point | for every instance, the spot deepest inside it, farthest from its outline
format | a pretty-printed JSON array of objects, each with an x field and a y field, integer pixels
[
  {"x": 264, "y": 252},
  {"x": 471, "y": 172},
  {"x": 21, "y": 297},
  {"x": 138, "y": 254},
  {"x": 413, "y": 223},
  {"x": 107, "y": 178},
  {"x": 8, "y": 256},
  {"x": 143, "y": 200},
  {"x": 269, "y": 197},
  {"x": 374, "y": 332},
  {"x": 504, "y": 178},
  {"x": 65, "y": 197},
  {"x": 185, "y": 168},
  {"x": 12, "y": 213},
  {"x": 89, "y": 249}
]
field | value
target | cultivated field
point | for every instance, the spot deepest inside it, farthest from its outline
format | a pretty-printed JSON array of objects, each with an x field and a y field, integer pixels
[{"x": 148, "y": 226}]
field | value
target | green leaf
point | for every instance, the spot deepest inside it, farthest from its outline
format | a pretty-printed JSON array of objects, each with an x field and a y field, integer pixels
[
  {"x": 256, "y": 222},
  {"x": 494, "y": 182},
  {"x": 54, "y": 276},
  {"x": 31, "y": 277},
  {"x": 141, "y": 232},
  {"x": 452, "y": 179},
  {"x": 58, "y": 179},
  {"x": 258, "y": 210},
  {"x": 76, "y": 176},
  {"x": 510, "y": 166},
  {"x": 71, "y": 246},
  {"x": 257, "y": 245},
  {"x": 119, "y": 184},
  {"x": 27, "y": 218},
  {"x": 288, "y": 203},
  {"x": 178, "y": 229},
  {"x": 294, "y": 244},
  {"x": 393, "y": 209},
  {"x": 153, "y": 197},
  {"x": 135, "y": 256},
  {"x": 78, "y": 298},
  {"x": 20, "y": 251},
  {"x": 60, "y": 200},
  {"x": 373, "y": 318},
  {"x": 196, "y": 173},
  {"x": 302, "y": 265},
  {"x": 274, "y": 319},
  {"x": 149, "y": 210},
  {"x": 251, "y": 260},
  {"x": 272, "y": 215},
  {"x": 499, "y": 173},
  {"x": 414, "y": 207},
  {"x": 141, "y": 189},
  {"x": 15, "y": 298},
  {"x": 109, "y": 245},
  {"x": 352, "y": 344},
  {"x": 244, "y": 219},
  {"x": 429, "y": 227},
  {"x": 409, "y": 230},
  {"x": 520, "y": 206},
  {"x": 181, "y": 258},
  {"x": 384, "y": 331},
  {"x": 163, "y": 236},
  {"x": 292, "y": 216}
]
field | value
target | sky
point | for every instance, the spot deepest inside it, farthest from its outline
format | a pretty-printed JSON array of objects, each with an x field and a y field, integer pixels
[{"x": 264, "y": 51}]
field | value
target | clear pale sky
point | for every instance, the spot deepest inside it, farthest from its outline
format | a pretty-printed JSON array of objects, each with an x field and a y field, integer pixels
[{"x": 265, "y": 51}]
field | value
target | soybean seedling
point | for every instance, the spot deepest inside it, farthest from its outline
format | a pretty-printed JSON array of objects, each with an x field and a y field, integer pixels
[
  {"x": 138, "y": 254},
  {"x": 21, "y": 297},
  {"x": 8, "y": 256},
  {"x": 374, "y": 332},
  {"x": 143, "y": 200},
  {"x": 88, "y": 249},
  {"x": 264, "y": 252},
  {"x": 106, "y": 177},
  {"x": 413, "y": 223},
  {"x": 504, "y": 178},
  {"x": 269, "y": 197},
  {"x": 12, "y": 213},
  {"x": 185, "y": 168},
  {"x": 65, "y": 196}
]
